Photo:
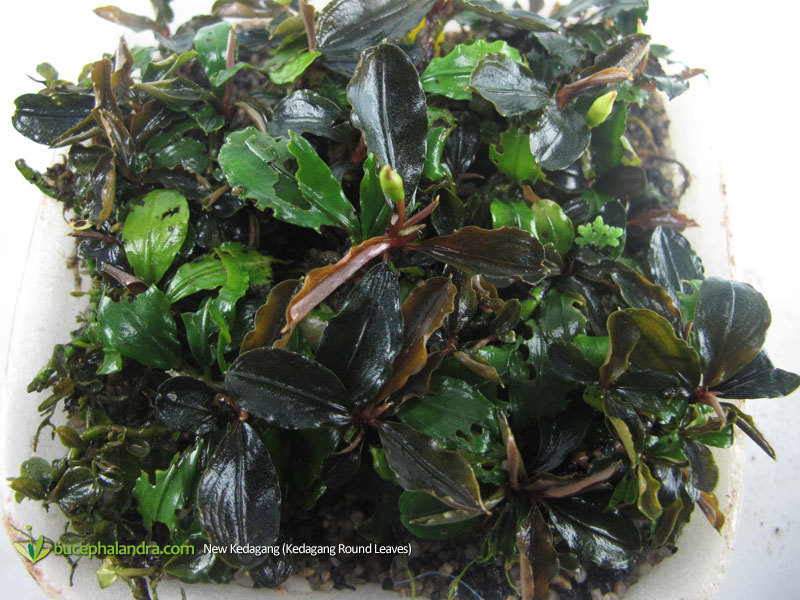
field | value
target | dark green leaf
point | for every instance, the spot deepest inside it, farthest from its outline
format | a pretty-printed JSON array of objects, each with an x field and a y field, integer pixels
[
  {"x": 417, "y": 508},
  {"x": 422, "y": 465},
  {"x": 287, "y": 389},
  {"x": 558, "y": 436},
  {"x": 78, "y": 487},
  {"x": 559, "y": 137},
  {"x": 186, "y": 404},
  {"x": 305, "y": 111},
  {"x": 672, "y": 260},
  {"x": 389, "y": 107},
  {"x": 561, "y": 317},
  {"x": 511, "y": 87},
  {"x": 746, "y": 423},
  {"x": 361, "y": 342},
  {"x": 568, "y": 362},
  {"x": 505, "y": 252},
  {"x": 627, "y": 425},
  {"x": 239, "y": 498},
  {"x": 638, "y": 292},
  {"x": 211, "y": 42},
  {"x": 449, "y": 75},
  {"x": 177, "y": 92},
  {"x": 154, "y": 232},
  {"x": 440, "y": 125},
  {"x": 142, "y": 329},
  {"x": 462, "y": 144},
  {"x": 626, "y": 54},
  {"x": 604, "y": 538},
  {"x": 703, "y": 472},
  {"x": 171, "y": 491},
  {"x": 515, "y": 17},
  {"x": 758, "y": 379},
  {"x": 375, "y": 209},
  {"x": 46, "y": 117},
  {"x": 730, "y": 324},
  {"x": 346, "y": 27},
  {"x": 319, "y": 186}
]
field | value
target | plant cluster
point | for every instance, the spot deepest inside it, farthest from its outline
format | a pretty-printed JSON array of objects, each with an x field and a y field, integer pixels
[{"x": 360, "y": 249}]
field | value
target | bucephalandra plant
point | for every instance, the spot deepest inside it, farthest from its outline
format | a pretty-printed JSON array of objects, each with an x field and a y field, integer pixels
[{"x": 418, "y": 256}]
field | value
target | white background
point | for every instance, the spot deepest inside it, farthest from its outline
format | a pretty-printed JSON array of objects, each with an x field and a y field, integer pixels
[{"x": 749, "y": 50}]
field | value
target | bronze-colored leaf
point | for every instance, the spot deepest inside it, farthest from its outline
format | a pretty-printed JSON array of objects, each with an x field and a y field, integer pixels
[
  {"x": 423, "y": 313},
  {"x": 271, "y": 317},
  {"x": 504, "y": 252}
]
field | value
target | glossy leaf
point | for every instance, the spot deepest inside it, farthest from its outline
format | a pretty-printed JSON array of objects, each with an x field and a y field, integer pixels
[
  {"x": 627, "y": 425},
  {"x": 270, "y": 317},
  {"x": 239, "y": 497},
  {"x": 730, "y": 324},
  {"x": 246, "y": 158},
  {"x": 650, "y": 341},
  {"x": 44, "y": 118},
  {"x": 440, "y": 125},
  {"x": 558, "y": 436},
  {"x": 605, "y": 538},
  {"x": 424, "y": 312},
  {"x": 538, "y": 559},
  {"x": 638, "y": 292},
  {"x": 649, "y": 486},
  {"x": 672, "y": 260},
  {"x": 389, "y": 107},
  {"x": 568, "y": 361},
  {"x": 758, "y": 379},
  {"x": 513, "y": 157},
  {"x": 78, "y": 487},
  {"x": 418, "y": 508},
  {"x": 510, "y": 86},
  {"x": 552, "y": 226},
  {"x": 561, "y": 317},
  {"x": 304, "y": 111},
  {"x": 450, "y": 75},
  {"x": 559, "y": 137},
  {"x": 186, "y": 404},
  {"x": 703, "y": 472},
  {"x": 462, "y": 144},
  {"x": 154, "y": 232},
  {"x": 346, "y": 27},
  {"x": 422, "y": 465},
  {"x": 209, "y": 272},
  {"x": 361, "y": 342},
  {"x": 294, "y": 68},
  {"x": 746, "y": 423},
  {"x": 320, "y": 188},
  {"x": 505, "y": 252},
  {"x": 375, "y": 210},
  {"x": 142, "y": 329},
  {"x": 171, "y": 491},
  {"x": 287, "y": 389},
  {"x": 515, "y": 17},
  {"x": 211, "y": 42}
]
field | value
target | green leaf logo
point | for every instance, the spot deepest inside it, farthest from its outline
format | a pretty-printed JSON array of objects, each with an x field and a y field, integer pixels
[{"x": 33, "y": 551}]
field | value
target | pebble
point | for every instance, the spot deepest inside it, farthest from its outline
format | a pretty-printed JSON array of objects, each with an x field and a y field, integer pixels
[
  {"x": 610, "y": 596},
  {"x": 446, "y": 568},
  {"x": 326, "y": 586},
  {"x": 306, "y": 572}
]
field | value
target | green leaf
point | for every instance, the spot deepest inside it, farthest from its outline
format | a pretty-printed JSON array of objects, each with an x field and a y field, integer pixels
[
  {"x": 508, "y": 85},
  {"x": 77, "y": 489},
  {"x": 186, "y": 404},
  {"x": 559, "y": 137},
  {"x": 346, "y": 27},
  {"x": 171, "y": 491},
  {"x": 199, "y": 328},
  {"x": 505, "y": 252},
  {"x": 211, "y": 42},
  {"x": 154, "y": 232},
  {"x": 672, "y": 260},
  {"x": 594, "y": 348},
  {"x": 607, "y": 149},
  {"x": 730, "y": 324},
  {"x": 449, "y": 75},
  {"x": 293, "y": 68},
  {"x": 361, "y": 342},
  {"x": 142, "y": 329},
  {"x": 239, "y": 497},
  {"x": 649, "y": 486},
  {"x": 288, "y": 390},
  {"x": 648, "y": 340},
  {"x": 319, "y": 186},
  {"x": 460, "y": 418},
  {"x": 561, "y": 317},
  {"x": 254, "y": 160},
  {"x": 605, "y": 538},
  {"x": 441, "y": 124},
  {"x": 512, "y": 156},
  {"x": 389, "y": 107},
  {"x": 44, "y": 118},
  {"x": 552, "y": 226},
  {"x": 558, "y": 436},
  {"x": 209, "y": 273},
  {"x": 418, "y": 509},
  {"x": 375, "y": 210},
  {"x": 422, "y": 465},
  {"x": 568, "y": 361}
]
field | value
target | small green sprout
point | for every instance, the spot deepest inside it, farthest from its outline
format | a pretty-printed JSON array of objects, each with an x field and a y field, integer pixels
[{"x": 598, "y": 234}]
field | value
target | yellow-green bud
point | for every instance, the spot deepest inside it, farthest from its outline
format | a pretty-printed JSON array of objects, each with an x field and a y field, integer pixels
[
  {"x": 600, "y": 109},
  {"x": 392, "y": 185},
  {"x": 69, "y": 437}
]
